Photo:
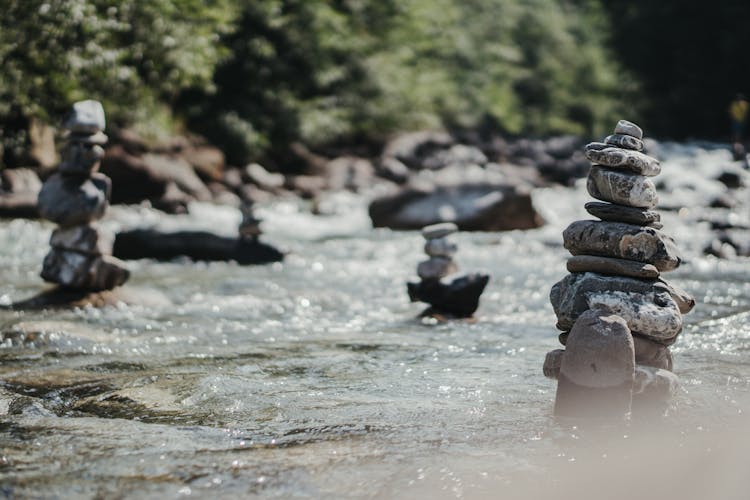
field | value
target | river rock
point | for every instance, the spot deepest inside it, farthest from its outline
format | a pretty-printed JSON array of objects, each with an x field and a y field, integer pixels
[
  {"x": 621, "y": 213},
  {"x": 71, "y": 201},
  {"x": 609, "y": 265},
  {"x": 622, "y": 241},
  {"x": 685, "y": 302},
  {"x": 649, "y": 310},
  {"x": 628, "y": 128},
  {"x": 83, "y": 239},
  {"x": 552, "y": 363},
  {"x": 597, "y": 368},
  {"x": 609, "y": 156},
  {"x": 81, "y": 159},
  {"x": 472, "y": 207},
  {"x": 458, "y": 297},
  {"x": 86, "y": 117},
  {"x": 440, "y": 230},
  {"x": 440, "y": 247},
  {"x": 622, "y": 188},
  {"x": 436, "y": 268},
  {"x": 654, "y": 384},
  {"x": 624, "y": 141},
  {"x": 85, "y": 272},
  {"x": 650, "y": 353}
]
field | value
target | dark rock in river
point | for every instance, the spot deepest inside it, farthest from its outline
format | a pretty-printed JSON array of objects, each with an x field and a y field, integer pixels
[
  {"x": 622, "y": 241},
  {"x": 646, "y": 306},
  {"x": 458, "y": 297},
  {"x": 620, "y": 213},
  {"x": 71, "y": 201},
  {"x": 473, "y": 207},
  {"x": 609, "y": 265},
  {"x": 622, "y": 188},
  {"x": 197, "y": 245},
  {"x": 82, "y": 271}
]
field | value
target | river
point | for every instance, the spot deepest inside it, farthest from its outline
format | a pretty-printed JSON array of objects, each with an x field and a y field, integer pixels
[{"x": 313, "y": 378}]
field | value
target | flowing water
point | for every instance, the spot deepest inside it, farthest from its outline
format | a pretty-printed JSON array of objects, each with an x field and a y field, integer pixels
[{"x": 314, "y": 377}]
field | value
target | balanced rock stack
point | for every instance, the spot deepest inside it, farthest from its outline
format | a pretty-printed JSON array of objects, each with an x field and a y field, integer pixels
[
  {"x": 74, "y": 197},
  {"x": 447, "y": 294},
  {"x": 617, "y": 314}
]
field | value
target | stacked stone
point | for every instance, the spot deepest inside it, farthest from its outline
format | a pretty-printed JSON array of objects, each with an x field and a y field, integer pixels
[
  {"x": 617, "y": 314},
  {"x": 447, "y": 294},
  {"x": 249, "y": 229},
  {"x": 75, "y": 197}
]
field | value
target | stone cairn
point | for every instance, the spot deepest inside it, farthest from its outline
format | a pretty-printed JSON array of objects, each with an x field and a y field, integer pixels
[
  {"x": 617, "y": 314},
  {"x": 447, "y": 294},
  {"x": 75, "y": 197},
  {"x": 249, "y": 229}
]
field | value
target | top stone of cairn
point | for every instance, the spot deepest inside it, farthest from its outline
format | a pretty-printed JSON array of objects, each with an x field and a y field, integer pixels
[
  {"x": 625, "y": 127},
  {"x": 86, "y": 117},
  {"x": 440, "y": 230}
]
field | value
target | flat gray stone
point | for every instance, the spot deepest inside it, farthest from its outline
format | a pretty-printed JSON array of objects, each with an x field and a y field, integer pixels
[
  {"x": 440, "y": 247},
  {"x": 72, "y": 201},
  {"x": 80, "y": 158},
  {"x": 610, "y": 265},
  {"x": 621, "y": 213},
  {"x": 84, "y": 272},
  {"x": 650, "y": 353},
  {"x": 624, "y": 141},
  {"x": 628, "y": 128},
  {"x": 552, "y": 362},
  {"x": 83, "y": 239},
  {"x": 436, "y": 268},
  {"x": 439, "y": 230},
  {"x": 625, "y": 159},
  {"x": 86, "y": 117},
  {"x": 648, "y": 310},
  {"x": 622, "y": 241},
  {"x": 621, "y": 187},
  {"x": 599, "y": 352}
]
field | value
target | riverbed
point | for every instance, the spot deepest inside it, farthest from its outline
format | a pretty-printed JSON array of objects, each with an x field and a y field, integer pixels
[{"x": 315, "y": 378}]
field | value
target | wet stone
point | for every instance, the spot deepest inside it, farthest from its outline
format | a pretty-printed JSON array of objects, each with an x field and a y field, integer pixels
[
  {"x": 440, "y": 230},
  {"x": 552, "y": 363},
  {"x": 624, "y": 141},
  {"x": 458, "y": 297},
  {"x": 650, "y": 353},
  {"x": 86, "y": 117},
  {"x": 89, "y": 272},
  {"x": 436, "y": 268},
  {"x": 81, "y": 159},
  {"x": 440, "y": 247},
  {"x": 654, "y": 384},
  {"x": 613, "y": 157},
  {"x": 621, "y": 213},
  {"x": 685, "y": 302},
  {"x": 83, "y": 239},
  {"x": 622, "y": 188},
  {"x": 648, "y": 310},
  {"x": 610, "y": 265},
  {"x": 71, "y": 201},
  {"x": 622, "y": 241},
  {"x": 628, "y": 128}
]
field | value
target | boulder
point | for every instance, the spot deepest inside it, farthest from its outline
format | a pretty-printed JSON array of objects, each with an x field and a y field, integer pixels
[
  {"x": 412, "y": 147},
  {"x": 472, "y": 207},
  {"x": 622, "y": 241},
  {"x": 259, "y": 176},
  {"x": 622, "y": 188}
]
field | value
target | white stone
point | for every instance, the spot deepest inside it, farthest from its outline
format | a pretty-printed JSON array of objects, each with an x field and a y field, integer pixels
[
  {"x": 440, "y": 230},
  {"x": 86, "y": 117}
]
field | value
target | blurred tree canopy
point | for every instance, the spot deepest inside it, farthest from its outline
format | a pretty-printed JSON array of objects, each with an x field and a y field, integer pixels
[{"x": 255, "y": 76}]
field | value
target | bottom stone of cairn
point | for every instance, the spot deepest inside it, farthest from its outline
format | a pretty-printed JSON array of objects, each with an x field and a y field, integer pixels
[{"x": 83, "y": 271}]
